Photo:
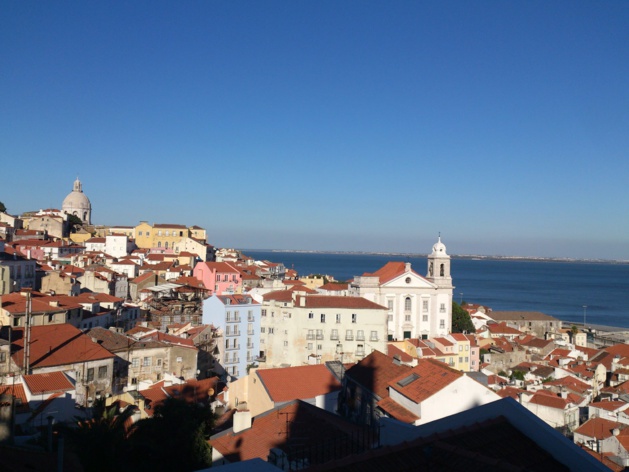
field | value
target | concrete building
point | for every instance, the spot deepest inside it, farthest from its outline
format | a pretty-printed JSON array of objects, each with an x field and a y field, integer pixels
[
  {"x": 238, "y": 317},
  {"x": 299, "y": 329}
]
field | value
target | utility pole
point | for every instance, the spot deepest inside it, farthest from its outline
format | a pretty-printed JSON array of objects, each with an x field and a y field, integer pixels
[{"x": 27, "y": 332}]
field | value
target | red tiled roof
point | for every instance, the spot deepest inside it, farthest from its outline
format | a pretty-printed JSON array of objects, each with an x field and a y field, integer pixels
[
  {"x": 430, "y": 376},
  {"x": 598, "y": 428},
  {"x": 48, "y": 382},
  {"x": 58, "y": 344},
  {"x": 611, "y": 405},
  {"x": 390, "y": 271},
  {"x": 397, "y": 411},
  {"x": 552, "y": 401},
  {"x": 333, "y": 301},
  {"x": 306, "y": 423},
  {"x": 375, "y": 372},
  {"x": 395, "y": 351},
  {"x": 301, "y": 382},
  {"x": 334, "y": 286}
]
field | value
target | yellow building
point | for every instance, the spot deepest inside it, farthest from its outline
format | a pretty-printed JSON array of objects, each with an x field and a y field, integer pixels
[{"x": 159, "y": 235}]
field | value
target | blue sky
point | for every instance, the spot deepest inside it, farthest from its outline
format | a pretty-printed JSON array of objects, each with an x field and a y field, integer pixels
[{"x": 354, "y": 125}]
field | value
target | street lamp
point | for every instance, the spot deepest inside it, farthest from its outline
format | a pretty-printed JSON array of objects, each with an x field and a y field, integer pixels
[{"x": 585, "y": 307}]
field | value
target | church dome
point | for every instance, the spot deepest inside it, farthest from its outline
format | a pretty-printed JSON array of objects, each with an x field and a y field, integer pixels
[
  {"x": 77, "y": 203},
  {"x": 439, "y": 249}
]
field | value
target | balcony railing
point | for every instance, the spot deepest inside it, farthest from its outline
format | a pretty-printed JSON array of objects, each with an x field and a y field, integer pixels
[
  {"x": 360, "y": 337},
  {"x": 334, "y": 337},
  {"x": 373, "y": 337},
  {"x": 349, "y": 337},
  {"x": 319, "y": 336},
  {"x": 310, "y": 337}
]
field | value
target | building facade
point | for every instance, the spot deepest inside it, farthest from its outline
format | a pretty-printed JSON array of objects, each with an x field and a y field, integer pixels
[{"x": 417, "y": 306}]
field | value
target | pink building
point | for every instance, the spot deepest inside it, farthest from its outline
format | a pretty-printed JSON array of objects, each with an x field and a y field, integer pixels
[{"x": 219, "y": 277}]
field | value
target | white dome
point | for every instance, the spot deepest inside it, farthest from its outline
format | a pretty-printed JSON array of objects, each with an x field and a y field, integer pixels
[
  {"x": 77, "y": 203},
  {"x": 439, "y": 249}
]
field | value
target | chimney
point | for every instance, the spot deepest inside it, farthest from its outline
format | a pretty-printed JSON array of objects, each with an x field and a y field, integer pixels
[
  {"x": 242, "y": 420},
  {"x": 564, "y": 393},
  {"x": 407, "y": 267}
]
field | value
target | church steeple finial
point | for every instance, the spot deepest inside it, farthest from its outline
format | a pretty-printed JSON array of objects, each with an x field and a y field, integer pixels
[{"x": 77, "y": 185}]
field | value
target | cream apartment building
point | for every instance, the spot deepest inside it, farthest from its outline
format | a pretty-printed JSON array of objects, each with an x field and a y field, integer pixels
[{"x": 298, "y": 329}]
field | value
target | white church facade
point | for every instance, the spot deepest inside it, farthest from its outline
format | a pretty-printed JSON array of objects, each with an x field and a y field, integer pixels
[{"x": 417, "y": 306}]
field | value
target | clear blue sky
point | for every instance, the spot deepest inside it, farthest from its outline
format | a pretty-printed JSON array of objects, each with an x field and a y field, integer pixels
[{"x": 352, "y": 125}]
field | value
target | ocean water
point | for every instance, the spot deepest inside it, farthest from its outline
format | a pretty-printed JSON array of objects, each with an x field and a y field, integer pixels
[{"x": 559, "y": 289}]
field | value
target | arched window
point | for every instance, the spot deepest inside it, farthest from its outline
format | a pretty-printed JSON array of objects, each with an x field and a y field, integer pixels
[
  {"x": 442, "y": 270},
  {"x": 166, "y": 244},
  {"x": 159, "y": 244},
  {"x": 407, "y": 304}
]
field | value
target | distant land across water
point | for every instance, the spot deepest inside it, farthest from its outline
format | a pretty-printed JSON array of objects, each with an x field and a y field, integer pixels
[{"x": 557, "y": 287}]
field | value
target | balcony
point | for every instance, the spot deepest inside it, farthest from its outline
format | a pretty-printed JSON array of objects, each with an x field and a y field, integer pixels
[
  {"x": 360, "y": 337},
  {"x": 360, "y": 353},
  {"x": 319, "y": 336},
  {"x": 373, "y": 337},
  {"x": 334, "y": 337},
  {"x": 233, "y": 333},
  {"x": 349, "y": 337},
  {"x": 310, "y": 337}
]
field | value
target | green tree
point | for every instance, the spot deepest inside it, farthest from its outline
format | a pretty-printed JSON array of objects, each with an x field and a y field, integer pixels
[
  {"x": 74, "y": 220},
  {"x": 3, "y": 209},
  {"x": 461, "y": 321},
  {"x": 175, "y": 438}
]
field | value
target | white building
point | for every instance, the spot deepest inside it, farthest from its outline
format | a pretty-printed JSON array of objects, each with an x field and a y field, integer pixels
[
  {"x": 417, "y": 306},
  {"x": 238, "y": 318},
  {"x": 300, "y": 329}
]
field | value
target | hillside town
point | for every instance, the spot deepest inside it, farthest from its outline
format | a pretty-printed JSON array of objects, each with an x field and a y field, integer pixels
[{"x": 110, "y": 324}]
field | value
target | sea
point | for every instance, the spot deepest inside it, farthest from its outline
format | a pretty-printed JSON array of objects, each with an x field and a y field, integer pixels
[{"x": 574, "y": 291}]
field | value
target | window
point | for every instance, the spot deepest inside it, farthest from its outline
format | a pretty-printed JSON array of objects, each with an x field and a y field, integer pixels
[
  {"x": 102, "y": 372},
  {"x": 271, "y": 330},
  {"x": 3, "y": 357},
  {"x": 322, "y": 317},
  {"x": 460, "y": 347},
  {"x": 354, "y": 317},
  {"x": 225, "y": 278},
  {"x": 390, "y": 305},
  {"x": 460, "y": 360},
  {"x": 407, "y": 304},
  {"x": 168, "y": 233},
  {"x": 263, "y": 312},
  {"x": 262, "y": 329},
  {"x": 467, "y": 359},
  {"x": 335, "y": 335},
  {"x": 442, "y": 308},
  {"x": 310, "y": 346},
  {"x": 319, "y": 334},
  {"x": 349, "y": 335},
  {"x": 140, "y": 233},
  {"x": 360, "y": 335},
  {"x": 407, "y": 317},
  {"x": 159, "y": 244},
  {"x": 159, "y": 362},
  {"x": 310, "y": 334},
  {"x": 373, "y": 336},
  {"x": 135, "y": 362},
  {"x": 319, "y": 347},
  {"x": 148, "y": 233},
  {"x": 179, "y": 360},
  {"x": 389, "y": 317},
  {"x": 467, "y": 348},
  {"x": 310, "y": 315},
  {"x": 159, "y": 232},
  {"x": 90, "y": 374},
  {"x": 442, "y": 324},
  {"x": 285, "y": 343},
  {"x": 338, "y": 317},
  {"x": 425, "y": 305},
  {"x": 218, "y": 277},
  {"x": 425, "y": 318}
]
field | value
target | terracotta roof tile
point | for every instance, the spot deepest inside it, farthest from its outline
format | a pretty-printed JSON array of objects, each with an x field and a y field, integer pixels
[
  {"x": 426, "y": 379},
  {"x": 397, "y": 411},
  {"x": 301, "y": 382},
  {"x": 375, "y": 372},
  {"x": 48, "y": 382}
]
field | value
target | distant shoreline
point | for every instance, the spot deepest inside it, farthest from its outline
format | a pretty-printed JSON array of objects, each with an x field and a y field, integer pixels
[{"x": 454, "y": 256}]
